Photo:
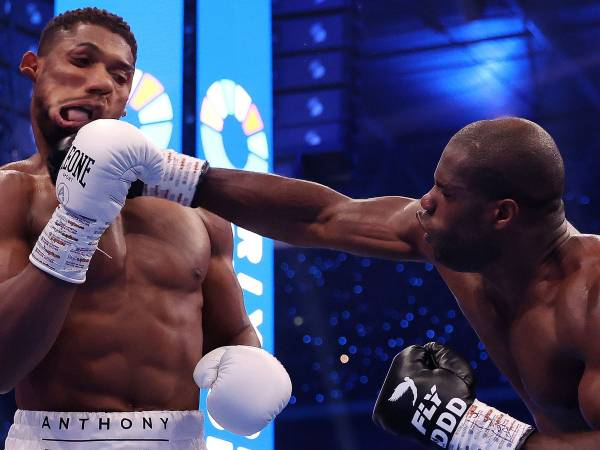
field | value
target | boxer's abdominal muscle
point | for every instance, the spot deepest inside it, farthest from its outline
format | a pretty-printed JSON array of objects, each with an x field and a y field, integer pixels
[{"x": 134, "y": 331}]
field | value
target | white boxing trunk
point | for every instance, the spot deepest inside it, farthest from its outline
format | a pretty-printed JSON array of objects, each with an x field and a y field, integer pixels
[{"x": 165, "y": 430}]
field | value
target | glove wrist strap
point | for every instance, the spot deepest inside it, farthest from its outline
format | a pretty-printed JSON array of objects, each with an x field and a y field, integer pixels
[
  {"x": 66, "y": 245},
  {"x": 485, "y": 427},
  {"x": 181, "y": 176}
]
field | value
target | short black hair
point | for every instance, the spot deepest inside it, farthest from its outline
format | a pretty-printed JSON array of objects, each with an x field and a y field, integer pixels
[
  {"x": 512, "y": 157},
  {"x": 94, "y": 16}
]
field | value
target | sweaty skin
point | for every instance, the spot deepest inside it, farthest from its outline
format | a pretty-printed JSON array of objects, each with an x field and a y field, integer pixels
[
  {"x": 536, "y": 307},
  {"x": 161, "y": 292}
]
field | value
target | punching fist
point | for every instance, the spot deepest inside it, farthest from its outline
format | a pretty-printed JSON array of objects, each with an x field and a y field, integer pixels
[
  {"x": 92, "y": 182},
  {"x": 429, "y": 394},
  {"x": 179, "y": 178},
  {"x": 105, "y": 157},
  {"x": 249, "y": 387}
]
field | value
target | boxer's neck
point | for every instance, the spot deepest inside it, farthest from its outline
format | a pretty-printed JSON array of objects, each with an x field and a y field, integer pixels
[
  {"x": 535, "y": 255},
  {"x": 44, "y": 148}
]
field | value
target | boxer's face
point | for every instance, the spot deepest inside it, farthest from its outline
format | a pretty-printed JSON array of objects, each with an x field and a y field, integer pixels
[
  {"x": 456, "y": 218},
  {"x": 85, "y": 75}
]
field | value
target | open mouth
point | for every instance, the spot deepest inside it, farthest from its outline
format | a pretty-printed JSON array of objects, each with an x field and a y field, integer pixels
[{"x": 74, "y": 116}]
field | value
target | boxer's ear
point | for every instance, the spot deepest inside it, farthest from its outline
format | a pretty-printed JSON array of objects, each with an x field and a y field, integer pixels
[
  {"x": 505, "y": 212},
  {"x": 29, "y": 65}
]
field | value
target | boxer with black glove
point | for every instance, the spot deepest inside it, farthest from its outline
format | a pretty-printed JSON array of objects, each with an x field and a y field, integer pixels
[{"x": 429, "y": 394}]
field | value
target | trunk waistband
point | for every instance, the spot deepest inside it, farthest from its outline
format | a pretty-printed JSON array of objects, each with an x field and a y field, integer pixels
[{"x": 143, "y": 427}]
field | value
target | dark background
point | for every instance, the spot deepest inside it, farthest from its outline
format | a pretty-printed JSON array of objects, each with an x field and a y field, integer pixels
[{"x": 366, "y": 95}]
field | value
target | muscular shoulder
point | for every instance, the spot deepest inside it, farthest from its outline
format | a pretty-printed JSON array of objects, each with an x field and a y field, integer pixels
[
  {"x": 578, "y": 260},
  {"x": 581, "y": 265},
  {"x": 21, "y": 177},
  {"x": 219, "y": 232},
  {"x": 32, "y": 165},
  {"x": 590, "y": 286},
  {"x": 585, "y": 247},
  {"x": 16, "y": 166},
  {"x": 578, "y": 305},
  {"x": 16, "y": 184}
]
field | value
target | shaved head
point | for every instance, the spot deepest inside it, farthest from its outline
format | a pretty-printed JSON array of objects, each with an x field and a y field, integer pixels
[
  {"x": 496, "y": 183},
  {"x": 511, "y": 158}
]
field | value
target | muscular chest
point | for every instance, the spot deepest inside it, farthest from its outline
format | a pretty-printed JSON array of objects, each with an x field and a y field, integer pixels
[
  {"x": 531, "y": 352},
  {"x": 542, "y": 371},
  {"x": 152, "y": 241},
  {"x": 548, "y": 371}
]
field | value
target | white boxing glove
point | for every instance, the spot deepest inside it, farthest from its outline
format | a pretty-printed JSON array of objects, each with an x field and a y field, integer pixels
[
  {"x": 104, "y": 159},
  {"x": 249, "y": 387},
  {"x": 180, "y": 178}
]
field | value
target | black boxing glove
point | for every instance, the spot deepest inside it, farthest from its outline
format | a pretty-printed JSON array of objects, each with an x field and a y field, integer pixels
[{"x": 429, "y": 394}]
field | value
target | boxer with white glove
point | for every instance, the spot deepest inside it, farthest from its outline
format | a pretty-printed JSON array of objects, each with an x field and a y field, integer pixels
[
  {"x": 93, "y": 365},
  {"x": 180, "y": 177},
  {"x": 429, "y": 394},
  {"x": 248, "y": 387},
  {"x": 104, "y": 158}
]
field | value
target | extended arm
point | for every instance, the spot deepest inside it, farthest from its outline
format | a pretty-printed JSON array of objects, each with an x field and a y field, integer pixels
[
  {"x": 299, "y": 212},
  {"x": 309, "y": 214}
]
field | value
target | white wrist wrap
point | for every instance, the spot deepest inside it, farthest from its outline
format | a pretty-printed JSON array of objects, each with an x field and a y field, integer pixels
[
  {"x": 179, "y": 179},
  {"x": 486, "y": 428},
  {"x": 66, "y": 245}
]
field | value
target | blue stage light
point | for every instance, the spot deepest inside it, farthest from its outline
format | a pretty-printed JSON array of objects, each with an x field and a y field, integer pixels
[
  {"x": 317, "y": 69},
  {"x": 314, "y": 106},
  {"x": 318, "y": 33}
]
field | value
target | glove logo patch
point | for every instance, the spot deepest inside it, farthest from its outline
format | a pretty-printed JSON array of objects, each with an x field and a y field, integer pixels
[
  {"x": 445, "y": 423},
  {"x": 77, "y": 164},
  {"x": 62, "y": 192},
  {"x": 402, "y": 388}
]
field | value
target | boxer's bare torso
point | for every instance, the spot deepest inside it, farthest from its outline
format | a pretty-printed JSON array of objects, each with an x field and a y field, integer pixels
[
  {"x": 538, "y": 330},
  {"x": 539, "y": 326},
  {"x": 134, "y": 330},
  {"x": 548, "y": 347}
]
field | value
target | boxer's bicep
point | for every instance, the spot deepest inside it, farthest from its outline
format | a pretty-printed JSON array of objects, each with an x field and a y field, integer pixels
[
  {"x": 383, "y": 227},
  {"x": 224, "y": 317},
  {"x": 14, "y": 256},
  {"x": 14, "y": 246}
]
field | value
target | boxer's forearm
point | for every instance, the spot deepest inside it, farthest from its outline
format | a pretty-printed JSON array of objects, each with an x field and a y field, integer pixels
[
  {"x": 246, "y": 337},
  {"x": 311, "y": 215},
  {"x": 281, "y": 208},
  {"x": 565, "y": 441},
  {"x": 33, "y": 307}
]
